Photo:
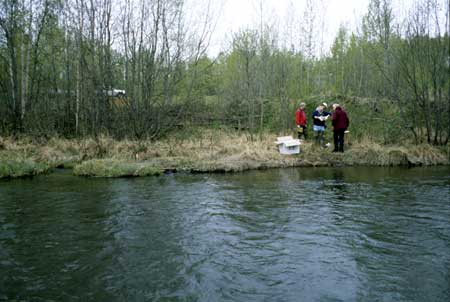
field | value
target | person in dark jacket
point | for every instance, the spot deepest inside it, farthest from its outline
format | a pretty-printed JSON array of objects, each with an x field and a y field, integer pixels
[
  {"x": 300, "y": 121},
  {"x": 319, "y": 117},
  {"x": 340, "y": 124}
]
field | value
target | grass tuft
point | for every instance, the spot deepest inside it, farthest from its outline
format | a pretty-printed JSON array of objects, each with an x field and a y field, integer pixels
[
  {"x": 112, "y": 168},
  {"x": 21, "y": 168}
]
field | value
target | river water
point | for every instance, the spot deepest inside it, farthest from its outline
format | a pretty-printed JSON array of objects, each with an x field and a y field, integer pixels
[{"x": 314, "y": 234}]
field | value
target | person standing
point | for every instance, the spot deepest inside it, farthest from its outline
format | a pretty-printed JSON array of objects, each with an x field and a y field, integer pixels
[
  {"x": 319, "y": 117},
  {"x": 340, "y": 124},
  {"x": 300, "y": 120}
]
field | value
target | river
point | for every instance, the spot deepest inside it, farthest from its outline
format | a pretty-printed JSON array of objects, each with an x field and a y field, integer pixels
[{"x": 306, "y": 234}]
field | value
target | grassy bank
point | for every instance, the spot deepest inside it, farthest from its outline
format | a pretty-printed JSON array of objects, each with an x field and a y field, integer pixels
[
  {"x": 203, "y": 151},
  {"x": 21, "y": 168}
]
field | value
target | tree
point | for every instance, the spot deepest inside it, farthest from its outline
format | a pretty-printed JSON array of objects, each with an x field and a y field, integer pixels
[
  {"x": 378, "y": 27},
  {"x": 423, "y": 68}
]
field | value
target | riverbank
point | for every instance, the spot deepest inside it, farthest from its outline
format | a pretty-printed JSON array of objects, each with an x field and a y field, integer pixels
[{"x": 208, "y": 151}]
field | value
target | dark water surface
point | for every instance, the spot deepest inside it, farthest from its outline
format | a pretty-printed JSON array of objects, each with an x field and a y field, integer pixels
[{"x": 349, "y": 234}]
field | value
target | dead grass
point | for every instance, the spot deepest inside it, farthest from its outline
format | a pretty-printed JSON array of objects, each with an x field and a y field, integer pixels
[
  {"x": 366, "y": 153},
  {"x": 208, "y": 151}
]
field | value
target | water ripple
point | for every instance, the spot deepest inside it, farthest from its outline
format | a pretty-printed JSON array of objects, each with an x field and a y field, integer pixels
[{"x": 281, "y": 235}]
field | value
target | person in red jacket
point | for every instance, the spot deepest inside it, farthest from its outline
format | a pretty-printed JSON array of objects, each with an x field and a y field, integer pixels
[
  {"x": 300, "y": 120},
  {"x": 340, "y": 123}
]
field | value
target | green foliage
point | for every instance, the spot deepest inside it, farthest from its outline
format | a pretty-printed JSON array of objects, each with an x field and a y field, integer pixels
[{"x": 21, "y": 168}]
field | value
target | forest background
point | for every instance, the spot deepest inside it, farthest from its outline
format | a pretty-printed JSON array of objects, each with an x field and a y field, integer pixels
[{"x": 140, "y": 70}]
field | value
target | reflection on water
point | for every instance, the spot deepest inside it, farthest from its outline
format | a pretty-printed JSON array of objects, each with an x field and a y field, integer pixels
[{"x": 352, "y": 234}]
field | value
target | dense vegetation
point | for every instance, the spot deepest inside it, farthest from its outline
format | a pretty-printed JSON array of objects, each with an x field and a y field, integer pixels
[{"x": 61, "y": 60}]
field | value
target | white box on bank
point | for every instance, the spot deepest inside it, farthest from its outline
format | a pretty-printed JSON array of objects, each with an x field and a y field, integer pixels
[{"x": 288, "y": 145}]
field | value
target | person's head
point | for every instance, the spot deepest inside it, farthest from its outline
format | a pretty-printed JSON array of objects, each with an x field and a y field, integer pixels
[
  {"x": 319, "y": 108},
  {"x": 302, "y": 105},
  {"x": 337, "y": 106}
]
